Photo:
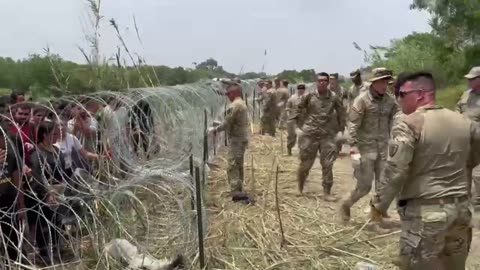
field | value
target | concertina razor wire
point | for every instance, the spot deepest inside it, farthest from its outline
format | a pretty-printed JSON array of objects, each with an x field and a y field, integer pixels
[{"x": 140, "y": 189}]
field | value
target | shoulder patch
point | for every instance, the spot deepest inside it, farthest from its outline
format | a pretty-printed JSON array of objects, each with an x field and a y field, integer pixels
[
  {"x": 415, "y": 122},
  {"x": 392, "y": 149}
]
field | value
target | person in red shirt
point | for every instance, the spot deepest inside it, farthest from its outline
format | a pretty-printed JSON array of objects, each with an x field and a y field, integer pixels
[{"x": 22, "y": 127}]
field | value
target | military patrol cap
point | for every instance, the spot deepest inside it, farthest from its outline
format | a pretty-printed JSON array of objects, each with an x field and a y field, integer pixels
[
  {"x": 301, "y": 86},
  {"x": 355, "y": 73},
  {"x": 380, "y": 74},
  {"x": 474, "y": 73},
  {"x": 334, "y": 76}
]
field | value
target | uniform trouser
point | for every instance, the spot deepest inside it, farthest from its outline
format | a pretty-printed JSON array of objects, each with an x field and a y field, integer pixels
[
  {"x": 371, "y": 169},
  {"x": 282, "y": 124},
  {"x": 268, "y": 125},
  {"x": 476, "y": 185},
  {"x": 309, "y": 147},
  {"x": 291, "y": 135},
  {"x": 235, "y": 158},
  {"x": 435, "y": 237}
]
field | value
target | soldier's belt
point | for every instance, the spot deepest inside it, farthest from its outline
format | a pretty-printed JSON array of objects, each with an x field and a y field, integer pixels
[{"x": 442, "y": 201}]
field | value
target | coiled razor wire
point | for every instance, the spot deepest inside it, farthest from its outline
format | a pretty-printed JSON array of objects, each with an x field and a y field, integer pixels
[{"x": 140, "y": 189}]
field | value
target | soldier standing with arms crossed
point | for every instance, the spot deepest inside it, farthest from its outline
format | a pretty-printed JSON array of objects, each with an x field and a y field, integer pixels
[
  {"x": 292, "y": 103},
  {"x": 236, "y": 126},
  {"x": 317, "y": 135},
  {"x": 469, "y": 106},
  {"x": 429, "y": 168},
  {"x": 370, "y": 121}
]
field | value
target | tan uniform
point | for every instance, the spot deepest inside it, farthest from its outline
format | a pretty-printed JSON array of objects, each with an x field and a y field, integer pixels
[
  {"x": 236, "y": 127},
  {"x": 282, "y": 98},
  {"x": 292, "y": 104},
  {"x": 469, "y": 106},
  {"x": 370, "y": 121},
  {"x": 340, "y": 92},
  {"x": 269, "y": 112},
  {"x": 429, "y": 168},
  {"x": 318, "y": 136}
]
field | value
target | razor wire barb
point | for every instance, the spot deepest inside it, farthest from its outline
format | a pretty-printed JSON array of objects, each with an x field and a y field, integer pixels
[{"x": 140, "y": 188}]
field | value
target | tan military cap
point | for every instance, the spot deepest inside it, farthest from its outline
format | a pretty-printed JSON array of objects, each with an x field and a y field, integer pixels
[
  {"x": 380, "y": 74},
  {"x": 334, "y": 76},
  {"x": 474, "y": 73}
]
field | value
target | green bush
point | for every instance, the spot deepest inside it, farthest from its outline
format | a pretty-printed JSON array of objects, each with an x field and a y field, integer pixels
[{"x": 449, "y": 96}]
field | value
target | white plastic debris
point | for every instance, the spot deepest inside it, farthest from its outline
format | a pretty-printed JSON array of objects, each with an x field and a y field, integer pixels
[
  {"x": 366, "y": 266},
  {"x": 123, "y": 250}
]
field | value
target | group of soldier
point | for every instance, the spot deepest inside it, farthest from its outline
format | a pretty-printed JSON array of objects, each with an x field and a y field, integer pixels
[{"x": 411, "y": 149}]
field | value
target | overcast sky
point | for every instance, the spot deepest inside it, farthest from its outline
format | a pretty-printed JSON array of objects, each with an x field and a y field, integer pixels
[{"x": 297, "y": 34}]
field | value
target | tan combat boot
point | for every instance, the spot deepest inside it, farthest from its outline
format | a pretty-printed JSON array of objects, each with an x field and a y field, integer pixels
[
  {"x": 344, "y": 210},
  {"x": 328, "y": 197}
]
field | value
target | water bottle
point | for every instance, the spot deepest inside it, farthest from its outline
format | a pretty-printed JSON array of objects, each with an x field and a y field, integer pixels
[{"x": 366, "y": 266}]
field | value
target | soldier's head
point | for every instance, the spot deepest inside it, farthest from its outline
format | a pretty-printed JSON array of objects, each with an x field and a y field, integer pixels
[
  {"x": 473, "y": 78},
  {"x": 416, "y": 90},
  {"x": 234, "y": 90},
  {"x": 356, "y": 77},
  {"x": 334, "y": 80},
  {"x": 322, "y": 82},
  {"x": 285, "y": 83},
  {"x": 268, "y": 84},
  {"x": 277, "y": 82},
  {"x": 301, "y": 89},
  {"x": 380, "y": 79}
]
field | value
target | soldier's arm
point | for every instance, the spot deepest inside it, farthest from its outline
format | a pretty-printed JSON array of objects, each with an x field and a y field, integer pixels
[
  {"x": 401, "y": 150},
  {"x": 228, "y": 121},
  {"x": 458, "y": 106},
  {"x": 341, "y": 113},
  {"x": 299, "y": 111},
  {"x": 355, "y": 118},
  {"x": 393, "y": 113},
  {"x": 475, "y": 144}
]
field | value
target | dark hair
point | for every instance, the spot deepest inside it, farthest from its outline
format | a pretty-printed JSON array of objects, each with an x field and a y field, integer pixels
[
  {"x": 39, "y": 109},
  {"x": 44, "y": 129},
  {"x": 14, "y": 95},
  {"x": 22, "y": 106},
  {"x": 324, "y": 74},
  {"x": 285, "y": 82},
  {"x": 404, "y": 77}
]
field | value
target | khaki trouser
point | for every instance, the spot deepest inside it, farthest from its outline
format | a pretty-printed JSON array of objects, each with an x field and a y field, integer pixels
[
  {"x": 268, "y": 125},
  {"x": 371, "y": 169},
  {"x": 435, "y": 237},
  {"x": 235, "y": 159},
  {"x": 309, "y": 147},
  {"x": 282, "y": 124},
  {"x": 291, "y": 134},
  {"x": 476, "y": 185}
]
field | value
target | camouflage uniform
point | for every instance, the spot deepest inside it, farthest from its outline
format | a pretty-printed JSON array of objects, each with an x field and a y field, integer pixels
[
  {"x": 318, "y": 136},
  {"x": 429, "y": 168},
  {"x": 340, "y": 92},
  {"x": 269, "y": 112},
  {"x": 469, "y": 106},
  {"x": 292, "y": 103},
  {"x": 354, "y": 91},
  {"x": 236, "y": 126},
  {"x": 282, "y": 98},
  {"x": 370, "y": 121}
]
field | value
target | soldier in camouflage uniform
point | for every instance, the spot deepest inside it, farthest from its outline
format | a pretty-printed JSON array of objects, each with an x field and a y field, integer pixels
[
  {"x": 340, "y": 92},
  {"x": 428, "y": 168},
  {"x": 269, "y": 111},
  {"x": 282, "y": 98},
  {"x": 292, "y": 103},
  {"x": 236, "y": 126},
  {"x": 358, "y": 87},
  {"x": 370, "y": 121},
  {"x": 469, "y": 106},
  {"x": 317, "y": 135}
]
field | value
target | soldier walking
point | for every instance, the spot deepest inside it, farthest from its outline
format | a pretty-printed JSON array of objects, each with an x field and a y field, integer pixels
[
  {"x": 269, "y": 111},
  {"x": 358, "y": 87},
  {"x": 340, "y": 92},
  {"x": 469, "y": 106},
  {"x": 282, "y": 98},
  {"x": 429, "y": 169},
  {"x": 236, "y": 126},
  {"x": 317, "y": 136},
  {"x": 370, "y": 120},
  {"x": 292, "y": 104}
]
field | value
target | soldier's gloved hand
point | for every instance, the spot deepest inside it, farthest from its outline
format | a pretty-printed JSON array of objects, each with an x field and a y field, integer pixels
[
  {"x": 211, "y": 130},
  {"x": 298, "y": 131}
]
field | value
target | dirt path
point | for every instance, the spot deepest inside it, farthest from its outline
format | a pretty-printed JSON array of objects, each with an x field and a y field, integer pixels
[{"x": 249, "y": 237}]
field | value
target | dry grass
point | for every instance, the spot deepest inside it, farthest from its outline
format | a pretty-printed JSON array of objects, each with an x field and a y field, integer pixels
[{"x": 249, "y": 237}]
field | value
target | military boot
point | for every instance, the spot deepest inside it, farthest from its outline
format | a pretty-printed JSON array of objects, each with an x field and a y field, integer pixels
[
  {"x": 345, "y": 211},
  {"x": 327, "y": 195}
]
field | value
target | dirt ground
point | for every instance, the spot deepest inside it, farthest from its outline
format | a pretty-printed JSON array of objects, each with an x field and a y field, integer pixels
[{"x": 250, "y": 237}]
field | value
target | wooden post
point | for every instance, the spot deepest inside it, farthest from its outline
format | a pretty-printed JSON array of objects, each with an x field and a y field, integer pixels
[
  {"x": 192, "y": 202},
  {"x": 198, "y": 186}
]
